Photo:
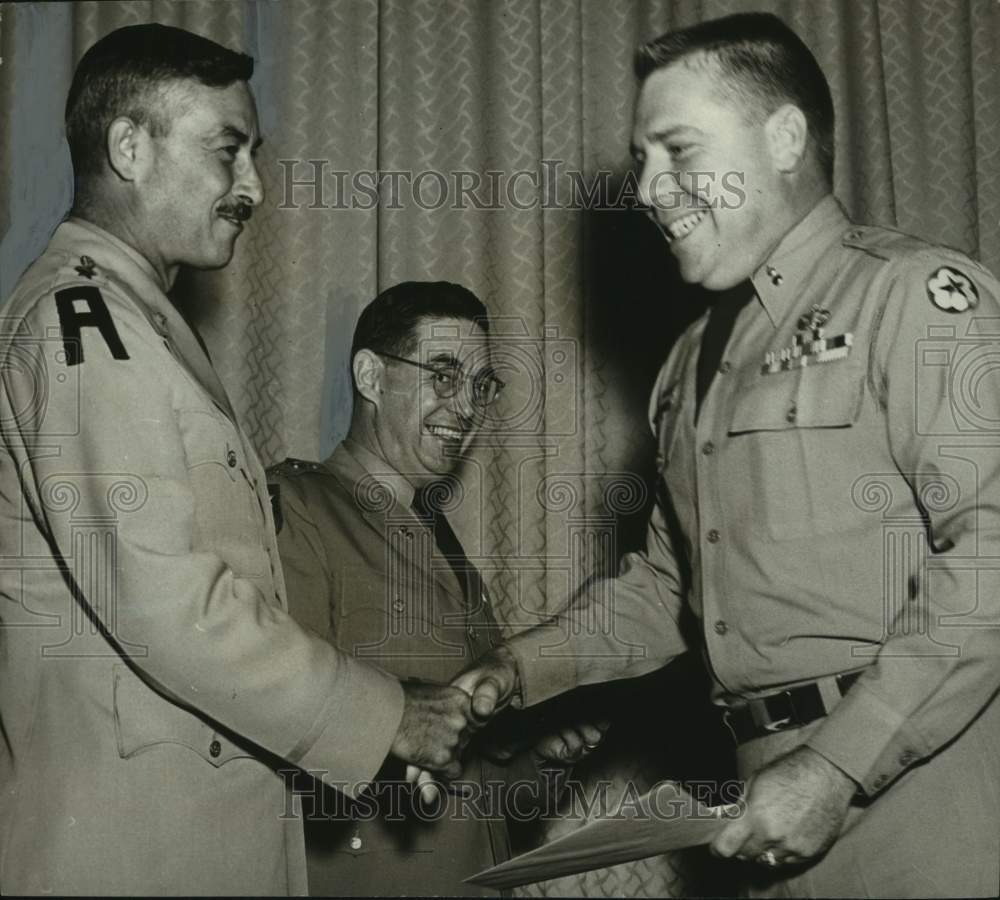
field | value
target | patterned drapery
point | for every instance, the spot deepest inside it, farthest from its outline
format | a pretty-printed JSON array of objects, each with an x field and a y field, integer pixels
[{"x": 497, "y": 133}]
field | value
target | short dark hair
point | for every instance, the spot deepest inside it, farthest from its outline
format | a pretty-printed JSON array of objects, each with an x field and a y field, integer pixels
[
  {"x": 766, "y": 63},
  {"x": 121, "y": 75},
  {"x": 389, "y": 323}
]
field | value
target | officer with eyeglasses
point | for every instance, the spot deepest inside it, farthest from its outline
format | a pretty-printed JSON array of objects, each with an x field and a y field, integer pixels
[
  {"x": 373, "y": 565},
  {"x": 448, "y": 378}
]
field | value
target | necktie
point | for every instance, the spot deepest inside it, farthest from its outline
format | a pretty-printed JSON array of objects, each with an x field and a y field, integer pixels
[
  {"x": 448, "y": 544},
  {"x": 721, "y": 318}
]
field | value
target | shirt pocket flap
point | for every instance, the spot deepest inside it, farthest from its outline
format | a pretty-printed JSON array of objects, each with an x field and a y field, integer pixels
[
  {"x": 209, "y": 441},
  {"x": 811, "y": 398},
  {"x": 144, "y": 720}
]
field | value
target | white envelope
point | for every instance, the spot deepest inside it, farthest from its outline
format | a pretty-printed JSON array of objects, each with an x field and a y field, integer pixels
[{"x": 665, "y": 818}]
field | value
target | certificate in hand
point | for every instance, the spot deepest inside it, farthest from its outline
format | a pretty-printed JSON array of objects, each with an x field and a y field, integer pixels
[{"x": 665, "y": 818}]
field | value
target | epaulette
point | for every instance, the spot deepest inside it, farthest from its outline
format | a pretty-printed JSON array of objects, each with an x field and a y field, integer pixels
[
  {"x": 53, "y": 272},
  {"x": 73, "y": 269},
  {"x": 883, "y": 243},
  {"x": 292, "y": 467},
  {"x": 289, "y": 468},
  {"x": 890, "y": 245}
]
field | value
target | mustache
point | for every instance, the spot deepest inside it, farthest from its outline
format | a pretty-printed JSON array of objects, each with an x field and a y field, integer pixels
[{"x": 240, "y": 211}]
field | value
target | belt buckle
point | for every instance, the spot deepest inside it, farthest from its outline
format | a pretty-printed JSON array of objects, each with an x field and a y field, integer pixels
[{"x": 779, "y": 724}]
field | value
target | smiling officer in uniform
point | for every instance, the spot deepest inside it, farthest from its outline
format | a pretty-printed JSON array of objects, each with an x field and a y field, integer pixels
[
  {"x": 150, "y": 676},
  {"x": 373, "y": 565},
  {"x": 830, "y": 503}
]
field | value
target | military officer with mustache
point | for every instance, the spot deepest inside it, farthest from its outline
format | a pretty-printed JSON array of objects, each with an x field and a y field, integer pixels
[{"x": 151, "y": 680}]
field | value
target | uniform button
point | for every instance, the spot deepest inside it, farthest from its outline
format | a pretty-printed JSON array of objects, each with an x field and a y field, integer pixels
[
  {"x": 355, "y": 843},
  {"x": 725, "y": 367},
  {"x": 907, "y": 758},
  {"x": 792, "y": 414},
  {"x": 214, "y": 749},
  {"x": 713, "y": 536},
  {"x": 708, "y": 448},
  {"x": 721, "y": 627},
  {"x": 878, "y": 782},
  {"x": 472, "y": 631},
  {"x": 231, "y": 459},
  {"x": 398, "y": 606}
]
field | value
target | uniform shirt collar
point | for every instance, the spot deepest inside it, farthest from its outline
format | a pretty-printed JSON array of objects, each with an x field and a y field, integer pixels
[
  {"x": 779, "y": 279},
  {"x": 382, "y": 472}
]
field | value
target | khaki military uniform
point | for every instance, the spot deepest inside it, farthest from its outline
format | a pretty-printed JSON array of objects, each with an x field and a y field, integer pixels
[
  {"x": 365, "y": 572},
  {"x": 150, "y": 675},
  {"x": 836, "y": 507}
]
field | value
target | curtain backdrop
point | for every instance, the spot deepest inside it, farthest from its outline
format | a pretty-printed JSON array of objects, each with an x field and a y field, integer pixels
[{"x": 482, "y": 117}]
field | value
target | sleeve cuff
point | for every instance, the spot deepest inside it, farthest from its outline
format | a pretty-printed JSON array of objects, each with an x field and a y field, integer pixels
[
  {"x": 867, "y": 740},
  {"x": 354, "y": 734},
  {"x": 543, "y": 670}
]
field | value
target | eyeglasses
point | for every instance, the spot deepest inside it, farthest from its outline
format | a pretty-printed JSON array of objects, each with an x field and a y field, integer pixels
[{"x": 449, "y": 378}]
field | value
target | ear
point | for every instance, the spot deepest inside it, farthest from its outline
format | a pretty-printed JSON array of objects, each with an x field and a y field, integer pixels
[
  {"x": 127, "y": 146},
  {"x": 788, "y": 136},
  {"x": 368, "y": 370}
]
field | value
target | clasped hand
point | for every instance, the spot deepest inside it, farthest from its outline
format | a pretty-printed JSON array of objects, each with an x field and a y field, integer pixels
[
  {"x": 438, "y": 720},
  {"x": 436, "y": 725}
]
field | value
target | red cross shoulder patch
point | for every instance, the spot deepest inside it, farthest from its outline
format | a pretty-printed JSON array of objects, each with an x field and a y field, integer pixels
[{"x": 952, "y": 291}]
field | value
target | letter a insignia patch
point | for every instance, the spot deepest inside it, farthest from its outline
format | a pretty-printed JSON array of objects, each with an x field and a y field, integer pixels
[{"x": 72, "y": 319}]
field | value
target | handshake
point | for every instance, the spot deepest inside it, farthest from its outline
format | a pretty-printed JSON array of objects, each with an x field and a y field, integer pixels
[{"x": 439, "y": 720}]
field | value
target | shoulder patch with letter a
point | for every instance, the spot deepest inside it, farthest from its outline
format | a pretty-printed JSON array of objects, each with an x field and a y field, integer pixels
[
  {"x": 72, "y": 319},
  {"x": 952, "y": 291}
]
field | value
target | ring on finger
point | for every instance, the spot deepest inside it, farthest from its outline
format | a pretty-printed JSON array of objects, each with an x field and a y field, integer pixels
[{"x": 769, "y": 859}]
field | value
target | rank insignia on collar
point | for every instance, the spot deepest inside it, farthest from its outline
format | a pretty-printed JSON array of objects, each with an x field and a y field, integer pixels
[
  {"x": 87, "y": 267},
  {"x": 952, "y": 291},
  {"x": 809, "y": 346}
]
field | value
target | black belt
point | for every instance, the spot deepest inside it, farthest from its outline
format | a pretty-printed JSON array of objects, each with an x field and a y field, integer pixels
[{"x": 793, "y": 708}]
